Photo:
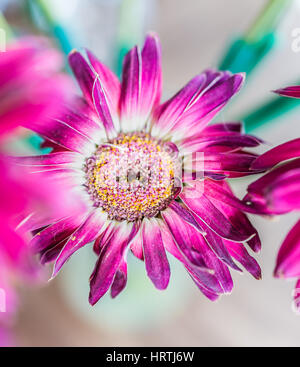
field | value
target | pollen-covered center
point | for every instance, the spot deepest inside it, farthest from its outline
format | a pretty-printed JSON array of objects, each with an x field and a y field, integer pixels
[{"x": 132, "y": 176}]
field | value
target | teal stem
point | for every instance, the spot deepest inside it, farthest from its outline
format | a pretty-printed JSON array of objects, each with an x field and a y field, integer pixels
[
  {"x": 59, "y": 32},
  {"x": 268, "y": 112}
]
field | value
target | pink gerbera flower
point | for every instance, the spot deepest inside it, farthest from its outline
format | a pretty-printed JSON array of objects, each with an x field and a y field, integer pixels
[
  {"x": 278, "y": 192},
  {"x": 123, "y": 151},
  {"x": 30, "y": 88}
]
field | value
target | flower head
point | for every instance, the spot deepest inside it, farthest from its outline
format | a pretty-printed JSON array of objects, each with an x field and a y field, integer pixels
[
  {"x": 153, "y": 175},
  {"x": 278, "y": 192}
]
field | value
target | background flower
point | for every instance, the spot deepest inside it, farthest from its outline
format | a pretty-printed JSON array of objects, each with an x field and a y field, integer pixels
[
  {"x": 278, "y": 192},
  {"x": 31, "y": 88}
]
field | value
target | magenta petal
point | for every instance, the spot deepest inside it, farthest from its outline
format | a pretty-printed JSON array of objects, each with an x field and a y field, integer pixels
[
  {"x": 51, "y": 253},
  {"x": 186, "y": 215},
  {"x": 202, "y": 276},
  {"x": 226, "y": 127},
  {"x": 120, "y": 279},
  {"x": 226, "y": 163},
  {"x": 293, "y": 91},
  {"x": 55, "y": 233},
  {"x": 284, "y": 193},
  {"x": 136, "y": 246},
  {"x": 181, "y": 231},
  {"x": 216, "y": 243},
  {"x": 103, "y": 238},
  {"x": 102, "y": 107},
  {"x": 288, "y": 258},
  {"x": 230, "y": 140},
  {"x": 109, "y": 260},
  {"x": 110, "y": 83},
  {"x": 205, "y": 211},
  {"x": 288, "y": 150},
  {"x": 297, "y": 295},
  {"x": 151, "y": 75},
  {"x": 202, "y": 106},
  {"x": 156, "y": 262},
  {"x": 84, "y": 74},
  {"x": 238, "y": 251},
  {"x": 223, "y": 198},
  {"x": 169, "y": 112},
  {"x": 60, "y": 159},
  {"x": 141, "y": 84},
  {"x": 210, "y": 295},
  {"x": 85, "y": 234},
  {"x": 221, "y": 271},
  {"x": 59, "y": 132},
  {"x": 277, "y": 191}
]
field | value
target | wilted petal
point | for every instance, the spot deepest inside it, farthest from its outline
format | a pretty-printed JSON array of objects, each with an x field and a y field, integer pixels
[
  {"x": 109, "y": 260},
  {"x": 156, "y": 262}
]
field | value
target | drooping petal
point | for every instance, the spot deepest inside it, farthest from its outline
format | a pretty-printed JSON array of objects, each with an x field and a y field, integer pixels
[
  {"x": 141, "y": 84},
  {"x": 180, "y": 230},
  {"x": 186, "y": 215},
  {"x": 203, "y": 277},
  {"x": 288, "y": 258},
  {"x": 288, "y": 150},
  {"x": 85, "y": 234},
  {"x": 238, "y": 252},
  {"x": 109, "y": 260},
  {"x": 220, "y": 269},
  {"x": 197, "y": 201},
  {"x": 136, "y": 246},
  {"x": 156, "y": 262},
  {"x": 120, "y": 279},
  {"x": 216, "y": 243},
  {"x": 223, "y": 198}
]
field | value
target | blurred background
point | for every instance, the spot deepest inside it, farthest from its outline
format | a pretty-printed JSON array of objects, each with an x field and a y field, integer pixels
[{"x": 259, "y": 37}]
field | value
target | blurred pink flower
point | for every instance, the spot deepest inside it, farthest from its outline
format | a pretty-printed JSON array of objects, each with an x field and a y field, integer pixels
[
  {"x": 278, "y": 192},
  {"x": 31, "y": 89},
  {"x": 122, "y": 150}
]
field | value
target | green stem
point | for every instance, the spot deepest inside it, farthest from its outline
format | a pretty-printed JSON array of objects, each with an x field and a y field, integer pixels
[
  {"x": 55, "y": 28},
  {"x": 6, "y": 27},
  {"x": 267, "y": 20}
]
